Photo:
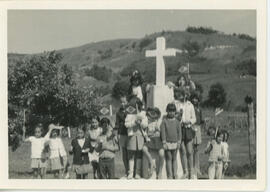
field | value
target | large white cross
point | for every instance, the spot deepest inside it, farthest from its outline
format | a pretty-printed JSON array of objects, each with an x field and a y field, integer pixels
[{"x": 159, "y": 53}]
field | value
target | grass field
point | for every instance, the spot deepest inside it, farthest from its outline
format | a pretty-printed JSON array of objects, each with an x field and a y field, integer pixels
[{"x": 19, "y": 161}]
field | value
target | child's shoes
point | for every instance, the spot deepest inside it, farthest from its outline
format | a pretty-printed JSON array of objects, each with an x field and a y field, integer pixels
[{"x": 137, "y": 176}]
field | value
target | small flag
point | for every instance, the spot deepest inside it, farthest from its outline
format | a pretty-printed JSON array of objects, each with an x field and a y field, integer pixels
[
  {"x": 218, "y": 111},
  {"x": 183, "y": 69},
  {"x": 131, "y": 110},
  {"x": 69, "y": 134},
  {"x": 104, "y": 111}
]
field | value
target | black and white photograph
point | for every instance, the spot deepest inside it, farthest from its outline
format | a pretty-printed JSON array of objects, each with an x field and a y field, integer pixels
[{"x": 132, "y": 94}]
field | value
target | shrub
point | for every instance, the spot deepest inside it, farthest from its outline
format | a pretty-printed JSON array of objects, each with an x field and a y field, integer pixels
[
  {"x": 193, "y": 47},
  {"x": 201, "y": 30},
  {"x": 99, "y": 73},
  {"x": 246, "y": 37},
  {"x": 120, "y": 88},
  {"x": 144, "y": 42},
  {"x": 216, "y": 96},
  {"x": 248, "y": 67}
]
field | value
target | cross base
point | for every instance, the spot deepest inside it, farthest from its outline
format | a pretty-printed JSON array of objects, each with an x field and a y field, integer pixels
[{"x": 160, "y": 96}]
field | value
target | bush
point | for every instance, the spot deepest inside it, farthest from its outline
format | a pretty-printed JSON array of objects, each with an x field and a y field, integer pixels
[
  {"x": 216, "y": 96},
  {"x": 247, "y": 66},
  {"x": 120, "y": 88},
  {"x": 246, "y": 37},
  {"x": 99, "y": 73},
  {"x": 201, "y": 30},
  {"x": 193, "y": 48},
  {"x": 144, "y": 42},
  {"x": 105, "y": 54}
]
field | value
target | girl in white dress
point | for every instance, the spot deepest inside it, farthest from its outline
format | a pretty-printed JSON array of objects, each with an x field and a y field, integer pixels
[{"x": 58, "y": 155}]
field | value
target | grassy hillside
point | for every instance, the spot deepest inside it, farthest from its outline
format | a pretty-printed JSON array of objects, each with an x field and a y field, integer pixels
[{"x": 212, "y": 62}]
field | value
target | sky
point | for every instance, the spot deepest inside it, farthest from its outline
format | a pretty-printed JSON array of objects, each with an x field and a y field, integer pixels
[{"x": 34, "y": 31}]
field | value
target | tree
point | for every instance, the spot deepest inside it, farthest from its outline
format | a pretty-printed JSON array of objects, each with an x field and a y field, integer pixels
[
  {"x": 46, "y": 88},
  {"x": 216, "y": 96},
  {"x": 193, "y": 48},
  {"x": 120, "y": 88}
]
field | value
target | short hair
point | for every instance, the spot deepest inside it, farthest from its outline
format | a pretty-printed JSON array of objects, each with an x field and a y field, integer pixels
[
  {"x": 55, "y": 130},
  {"x": 81, "y": 127},
  {"x": 210, "y": 129},
  {"x": 95, "y": 117},
  {"x": 105, "y": 120},
  {"x": 227, "y": 133},
  {"x": 39, "y": 126},
  {"x": 194, "y": 95},
  {"x": 179, "y": 77},
  {"x": 136, "y": 75},
  {"x": 171, "y": 107},
  {"x": 219, "y": 133},
  {"x": 179, "y": 91},
  {"x": 135, "y": 101}
]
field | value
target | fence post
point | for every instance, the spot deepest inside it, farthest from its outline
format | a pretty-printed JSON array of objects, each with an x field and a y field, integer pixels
[{"x": 251, "y": 130}]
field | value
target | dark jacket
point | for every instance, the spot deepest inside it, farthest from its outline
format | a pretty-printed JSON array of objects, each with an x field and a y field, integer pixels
[
  {"x": 120, "y": 121},
  {"x": 80, "y": 158}
]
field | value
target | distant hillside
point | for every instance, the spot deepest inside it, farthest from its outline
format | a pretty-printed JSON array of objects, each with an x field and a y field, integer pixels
[{"x": 215, "y": 56}]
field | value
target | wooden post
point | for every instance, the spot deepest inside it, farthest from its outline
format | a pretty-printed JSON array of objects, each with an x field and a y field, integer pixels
[{"x": 251, "y": 130}]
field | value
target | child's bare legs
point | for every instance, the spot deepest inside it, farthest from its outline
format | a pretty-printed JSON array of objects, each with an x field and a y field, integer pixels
[
  {"x": 35, "y": 173},
  {"x": 197, "y": 160},
  {"x": 131, "y": 159},
  {"x": 171, "y": 165},
  {"x": 95, "y": 169},
  {"x": 211, "y": 170},
  {"x": 183, "y": 157},
  {"x": 189, "y": 152},
  {"x": 161, "y": 162},
  {"x": 56, "y": 174},
  {"x": 138, "y": 157},
  {"x": 125, "y": 159},
  {"x": 84, "y": 176},
  {"x": 149, "y": 157},
  {"x": 219, "y": 167}
]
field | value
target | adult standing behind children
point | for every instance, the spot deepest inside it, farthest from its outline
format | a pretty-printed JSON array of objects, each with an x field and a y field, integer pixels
[
  {"x": 188, "y": 118},
  {"x": 195, "y": 99},
  {"x": 122, "y": 131}
]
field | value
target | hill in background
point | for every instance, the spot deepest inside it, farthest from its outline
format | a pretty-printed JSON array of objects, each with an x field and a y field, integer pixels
[{"x": 213, "y": 57}]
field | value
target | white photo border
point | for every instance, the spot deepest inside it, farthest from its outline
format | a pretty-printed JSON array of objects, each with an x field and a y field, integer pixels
[{"x": 236, "y": 185}]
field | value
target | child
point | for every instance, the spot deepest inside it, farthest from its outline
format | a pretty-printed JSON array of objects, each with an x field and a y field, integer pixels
[
  {"x": 186, "y": 114},
  {"x": 155, "y": 144},
  {"x": 216, "y": 155},
  {"x": 197, "y": 128},
  {"x": 136, "y": 85},
  {"x": 171, "y": 139},
  {"x": 225, "y": 148},
  {"x": 136, "y": 123},
  {"x": 122, "y": 131},
  {"x": 65, "y": 134},
  {"x": 94, "y": 132},
  {"x": 57, "y": 151},
  {"x": 80, "y": 147},
  {"x": 38, "y": 161},
  {"x": 107, "y": 146}
]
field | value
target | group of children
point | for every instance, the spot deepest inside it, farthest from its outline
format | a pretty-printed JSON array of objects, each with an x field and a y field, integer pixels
[
  {"x": 138, "y": 132},
  {"x": 92, "y": 144}
]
